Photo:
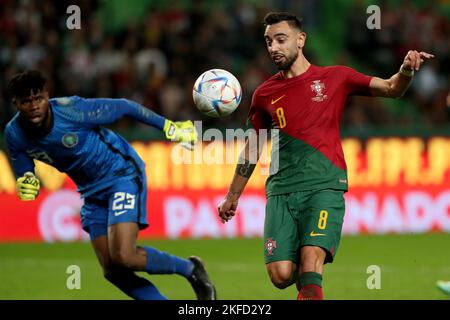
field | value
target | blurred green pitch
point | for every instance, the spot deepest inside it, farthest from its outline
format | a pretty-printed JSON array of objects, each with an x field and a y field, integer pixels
[{"x": 410, "y": 265}]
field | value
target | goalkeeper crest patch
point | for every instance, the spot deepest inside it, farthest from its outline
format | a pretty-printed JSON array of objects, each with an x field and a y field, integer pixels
[{"x": 70, "y": 140}]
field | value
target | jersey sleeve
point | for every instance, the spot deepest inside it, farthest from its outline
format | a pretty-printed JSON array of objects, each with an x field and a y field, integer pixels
[
  {"x": 100, "y": 111},
  {"x": 21, "y": 162},
  {"x": 258, "y": 118},
  {"x": 357, "y": 83}
]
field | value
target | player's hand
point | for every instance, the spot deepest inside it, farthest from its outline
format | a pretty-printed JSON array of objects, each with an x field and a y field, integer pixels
[
  {"x": 414, "y": 60},
  {"x": 227, "y": 209},
  {"x": 182, "y": 131},
  {"x": 27, "y": 187}
]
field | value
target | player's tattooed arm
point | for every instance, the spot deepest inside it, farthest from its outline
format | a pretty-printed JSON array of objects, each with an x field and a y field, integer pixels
[
  {"x": 245, "y": 169},
  {"x": 232, "y": 194},
  {"x": 238, "y": 184},
  {"x": 249, "y": 156},
  {"x": 241, "y": 176}
]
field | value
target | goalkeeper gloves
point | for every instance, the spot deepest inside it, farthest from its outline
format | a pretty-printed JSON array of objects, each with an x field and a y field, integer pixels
[
  {"x": 182, "y": 131},
  {"x": 27, "y": 187}
]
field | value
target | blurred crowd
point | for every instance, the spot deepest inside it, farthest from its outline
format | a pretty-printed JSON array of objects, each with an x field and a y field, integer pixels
[
  {"x": 155, "y": 60},
  {"x": 404, "y": 27}
]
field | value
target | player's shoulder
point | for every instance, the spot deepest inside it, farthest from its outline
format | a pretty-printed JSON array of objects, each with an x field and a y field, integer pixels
[
  {"x": 12, "y": 124},
  {"x": 69, "y": 101},
  {"x": 337, "y": 69},
  {"x": 12, "y": 128},
  {"x": 267, "y": 84}
]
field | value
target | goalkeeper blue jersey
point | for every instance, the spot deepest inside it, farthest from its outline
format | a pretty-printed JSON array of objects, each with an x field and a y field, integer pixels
[{"x": 93, "y": 156}]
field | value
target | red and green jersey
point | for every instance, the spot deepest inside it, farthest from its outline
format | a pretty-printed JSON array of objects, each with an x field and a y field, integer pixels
[{"x": 307, "y": 110}]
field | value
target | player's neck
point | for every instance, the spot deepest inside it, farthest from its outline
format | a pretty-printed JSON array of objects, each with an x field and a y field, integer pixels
[
  {"x": 48, "y": 122},
  {"x": 298, "y": 67}
]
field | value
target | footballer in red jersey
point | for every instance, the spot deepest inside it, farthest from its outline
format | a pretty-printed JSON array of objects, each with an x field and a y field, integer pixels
[{"x": 305, "y": 190}]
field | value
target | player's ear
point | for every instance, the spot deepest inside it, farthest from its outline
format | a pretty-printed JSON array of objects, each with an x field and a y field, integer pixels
[{"x": 301, "y": 40}]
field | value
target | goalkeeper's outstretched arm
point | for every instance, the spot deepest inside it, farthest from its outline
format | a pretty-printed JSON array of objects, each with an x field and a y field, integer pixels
[{"x": 100, "y": 111}]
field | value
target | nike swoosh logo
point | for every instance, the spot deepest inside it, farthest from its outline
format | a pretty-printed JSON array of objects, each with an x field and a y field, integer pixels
[
  {"x": 118, "y": 213},
  {"x": 312, "y": 234},
  {"x": 276, "y": 100}
]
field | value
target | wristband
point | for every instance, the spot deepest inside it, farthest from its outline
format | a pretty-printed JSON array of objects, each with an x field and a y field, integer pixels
[{"x": 406, "y": 73}]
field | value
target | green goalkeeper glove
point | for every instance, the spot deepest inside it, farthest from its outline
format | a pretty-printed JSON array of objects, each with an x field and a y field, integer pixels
[
  {"x": 27, "y": 187},
  {"x": 182, "y": 131}
]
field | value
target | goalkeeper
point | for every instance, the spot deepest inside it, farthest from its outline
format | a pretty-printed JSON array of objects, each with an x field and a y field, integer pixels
[{"x": 68, "y": 134}]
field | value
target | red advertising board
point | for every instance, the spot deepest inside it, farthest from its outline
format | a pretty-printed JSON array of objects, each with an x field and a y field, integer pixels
[{"x": 396, "y": 185}]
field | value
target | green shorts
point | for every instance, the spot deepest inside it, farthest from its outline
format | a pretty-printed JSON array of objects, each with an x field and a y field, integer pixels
[{"x": 304, "y": 218}]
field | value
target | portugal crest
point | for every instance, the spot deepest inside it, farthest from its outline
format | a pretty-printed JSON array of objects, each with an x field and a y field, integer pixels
[
  {"x": 318, "y": 87},
  {"x": 269, "y": 246}
]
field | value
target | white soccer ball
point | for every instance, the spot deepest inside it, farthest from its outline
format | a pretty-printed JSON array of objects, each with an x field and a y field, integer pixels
[{"x": 217, "y": 93}]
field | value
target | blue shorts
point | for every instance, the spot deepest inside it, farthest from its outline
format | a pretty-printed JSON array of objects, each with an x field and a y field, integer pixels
[{"x": 124, "y": 202}]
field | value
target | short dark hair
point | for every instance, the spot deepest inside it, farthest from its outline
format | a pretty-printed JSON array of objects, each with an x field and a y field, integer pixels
[
  {"x": 23, "y": 83},
  {"x": 276, "y": 17}
]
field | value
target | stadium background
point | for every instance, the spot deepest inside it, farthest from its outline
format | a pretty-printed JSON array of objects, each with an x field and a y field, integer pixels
[{"x": 397, "y": 151}]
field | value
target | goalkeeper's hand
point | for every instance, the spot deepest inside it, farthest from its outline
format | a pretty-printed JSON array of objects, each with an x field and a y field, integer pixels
[
  {"x": 27, "y": 187},
  {"x": 182, "y": 131}
]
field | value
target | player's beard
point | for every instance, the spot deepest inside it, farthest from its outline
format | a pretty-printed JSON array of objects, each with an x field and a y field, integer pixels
[{"x": 286, "y": 65}]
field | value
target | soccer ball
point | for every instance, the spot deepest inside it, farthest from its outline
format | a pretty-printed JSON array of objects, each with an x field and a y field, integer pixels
[{"x": 217, "y": 93}]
